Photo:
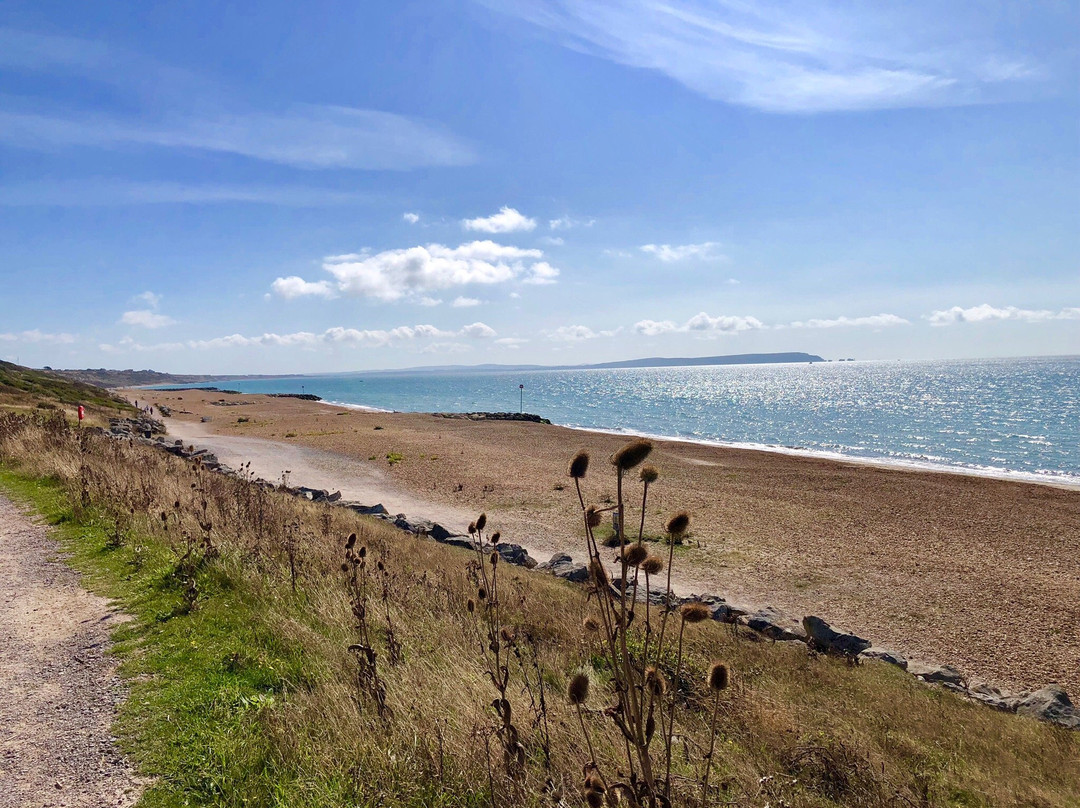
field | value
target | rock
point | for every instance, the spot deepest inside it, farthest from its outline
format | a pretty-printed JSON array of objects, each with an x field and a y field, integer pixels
[
  {"x": 729, "y": 612},
  {"x": 942, "y": 674},
  {"x": 562, "y": 566},
  {"x": 825, "y": 638},
  {"x": 368, "y": 510},
  {"x": 440, "y": 533},
  {"x": 515, "y": 554},
  {"x": 334, "y": 497},
  {"x": 991, "y": 696},
  {"x": 884, "y": 655},
  {"x": 774, "y": 624},
  {"x": 464, "y": 542},
  {"x": 1051, "y": 704}
]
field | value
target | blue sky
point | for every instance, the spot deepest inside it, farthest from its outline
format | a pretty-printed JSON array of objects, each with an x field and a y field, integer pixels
[{"x": 283, "y": 187}]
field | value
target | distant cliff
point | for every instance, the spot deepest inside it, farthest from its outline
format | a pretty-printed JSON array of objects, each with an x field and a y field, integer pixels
[
  {"x": 731, "y": 359},
  {"x": 103, "y": 377}
]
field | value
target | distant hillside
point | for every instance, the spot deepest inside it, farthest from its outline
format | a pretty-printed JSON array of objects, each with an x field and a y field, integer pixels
[
  {"x": 138, "y": 378},
  {"x": 649, "y": 362},
  {"x": 24, "y": 387}
]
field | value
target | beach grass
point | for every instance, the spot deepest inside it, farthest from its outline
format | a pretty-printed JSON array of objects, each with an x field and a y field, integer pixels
[{"x": 244, "y": 690}]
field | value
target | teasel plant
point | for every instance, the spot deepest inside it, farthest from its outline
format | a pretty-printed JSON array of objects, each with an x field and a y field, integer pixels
[
  {"x": 368, "y": 681},
  {"x": 635, "y": 651},
  {"x": 496, "y": 641}
]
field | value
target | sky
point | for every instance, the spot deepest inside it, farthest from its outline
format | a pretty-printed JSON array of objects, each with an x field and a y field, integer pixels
[{"x": 201, "y": 187}]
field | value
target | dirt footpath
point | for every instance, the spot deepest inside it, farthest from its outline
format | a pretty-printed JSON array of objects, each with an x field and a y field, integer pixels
[{"x": 58, "y": 686}]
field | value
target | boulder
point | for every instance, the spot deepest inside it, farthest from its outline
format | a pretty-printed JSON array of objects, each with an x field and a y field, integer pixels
[
  {"x": 885, "y": 655},
  {"x": 562, "y": 565},
  {"x": 1051, "y": 704},
  {"x": 825, "y": 638},
  {"x": 941, "y": 674},
  {"x": 515, "y": 554},
  {"x": 774, "y": 624},
  {"x": 987, "y": 694},
  {"x": 368, "y": 510},
  {"x": 729, "y": 612}
]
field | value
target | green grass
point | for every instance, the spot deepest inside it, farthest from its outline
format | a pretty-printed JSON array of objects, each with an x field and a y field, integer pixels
[
  {"x": 201, "y": 682},
  {"x": 24, "y": 385}
]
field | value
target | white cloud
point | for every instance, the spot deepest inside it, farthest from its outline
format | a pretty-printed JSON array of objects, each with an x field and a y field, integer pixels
[
  {"x": 573, "y": 333},
  {"x": 669, "y": 253},
  {"x": 507, "y": 220},
  {"x": 701, "y": 323},
  {"x": 417, "y": 271},
  {"x": 293, "y": 287},
  {"x": 988, "y": 313},
  {"x": 146, "y": 318},
  {"x": 429, "y": 301},
  {"x": 348, "y": 337},
  {"x": 76, "y": 193},
  {"x": 810, "y": 57},
  {"x": 510, "y": 342},
  {"x": 36, "y": 336},
  {"x": 465, "y": 302},
  {"x": 613, "y": 253},
  {"x": 568, "y": 223},
  {"x": 542, "y": 273},
  {"x": 874, "y": 321},
  {"x": 554, "y": 241},
  {"x": 150, "y": 299},
  {"x": 411, "y": 218}
]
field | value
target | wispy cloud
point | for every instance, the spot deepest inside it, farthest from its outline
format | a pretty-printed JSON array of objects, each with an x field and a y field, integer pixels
[
  {"x": 784, "y": 57},
  {"x": 108, "y": 192},
  {"x": 461, "y": 302},
  {"x": 507, "y": 220},
  {"x": 987, "y": 313},
  {"x": 578, "y": 333},
  {"x": 172, "y": 109},
  {"x": 670, "y": 253},
  {"x": 37, "y": 336},
  {"x": 411, "y": 218},
  {"x": 415, "y": 272},
  {"x": 569, "y": 223},
  {"x": 339, "y": 336},
  {"x": 146, "y": 318},
  {"x": 872, "y": 321},
  {"x": 701, "y": 323}
]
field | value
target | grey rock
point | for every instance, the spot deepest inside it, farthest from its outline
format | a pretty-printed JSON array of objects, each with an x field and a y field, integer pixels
[
  {"x": 729, "y": 612},
  {"x": 991, "y": 696},
  {"x": 1051, "y": 704},
  {"x": 562, "y": 566},
  {"x": 368, "y": 510},
  {"x": 825, "y": 638},
  {"x": 334, "y": 497},
  {"x": 941, "y": 674},
  {"x": 516, "y": 554},
  {"x": 464, "y": 542},
  {"x": 885, "y": 655},
  {"x": 774, "y": 624}
]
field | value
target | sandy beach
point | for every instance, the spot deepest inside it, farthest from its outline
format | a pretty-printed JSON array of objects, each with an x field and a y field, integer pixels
[{"x": 980, "y": 573}]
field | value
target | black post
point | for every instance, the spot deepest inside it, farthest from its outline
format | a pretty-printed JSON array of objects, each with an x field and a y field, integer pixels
[{"x": 521, "y": 398}]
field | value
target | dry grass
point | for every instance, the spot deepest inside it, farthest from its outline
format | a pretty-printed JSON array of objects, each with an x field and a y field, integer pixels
[{"x": 792, "y": 729}]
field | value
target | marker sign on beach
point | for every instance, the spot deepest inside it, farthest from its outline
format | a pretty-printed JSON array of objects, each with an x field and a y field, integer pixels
[{"x": 82, "y": 413}]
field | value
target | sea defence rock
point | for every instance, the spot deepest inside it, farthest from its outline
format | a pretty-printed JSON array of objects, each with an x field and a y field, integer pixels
[
  {"x": 515, "y": 554},
  {"x": 823, "y": 637},
  {"x": 774, "y": 624},
  {"x": 1051, "y": 704},
  {"x": 939, "y": 674},
  {"x": 885, "y": 655},
  {"x": 562, "y": 565},
  {"x": 493, "y": 416}
]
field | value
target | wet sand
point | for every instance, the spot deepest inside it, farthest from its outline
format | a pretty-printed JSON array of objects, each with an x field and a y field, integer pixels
[{"x": 976, "y": 572}]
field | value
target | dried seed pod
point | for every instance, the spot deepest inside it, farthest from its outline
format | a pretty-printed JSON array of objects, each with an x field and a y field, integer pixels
[
  {"x": 472, "y": 528},
  {"x": 579, "y": 465},
  {"x": 481, "y": 594},
  {"x": 598, "y": 574},
  {"x": 470, "y": 605},
  {"x": 694, "y": 612},
  {"x": 678, "y": 524},
  {"x": 635, "y": 554},
  {"x": 495, "y": 537},
  {"x": 718, "y": 676},
  {"x": 648, "y": 474},
  {"x": 655, "y": 681},
  {"x": 481, "y": 521},
  {"x": 578, "y": 689},
  {"x": 494, "y": 558},
  {"x": 652, "y": 565},
  {"x": 591, "y": 623},
  {"x": 350, "y": 541},
  {"x": 632, "y": 454},
  {"x": 592, "y": 516}
]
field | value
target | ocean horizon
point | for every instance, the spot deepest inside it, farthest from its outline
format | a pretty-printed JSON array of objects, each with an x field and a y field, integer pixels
[{"x": 1011, "y": 418}]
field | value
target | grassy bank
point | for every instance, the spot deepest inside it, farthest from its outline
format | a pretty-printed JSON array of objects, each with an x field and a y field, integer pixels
[{"x": 252, "y": 684}]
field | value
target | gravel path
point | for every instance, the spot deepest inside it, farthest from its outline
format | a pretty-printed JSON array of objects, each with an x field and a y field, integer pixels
[{"x": 58, "y": 686}]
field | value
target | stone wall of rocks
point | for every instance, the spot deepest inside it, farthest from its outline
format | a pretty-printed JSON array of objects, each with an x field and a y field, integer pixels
[{"x": 1050, "y": 703}]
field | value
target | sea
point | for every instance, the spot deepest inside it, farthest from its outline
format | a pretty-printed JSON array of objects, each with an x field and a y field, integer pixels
[{"x": 1016, "y": 418}]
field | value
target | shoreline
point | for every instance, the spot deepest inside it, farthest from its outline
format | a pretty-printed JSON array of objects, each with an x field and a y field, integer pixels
[{"x": 941, "y": 566}]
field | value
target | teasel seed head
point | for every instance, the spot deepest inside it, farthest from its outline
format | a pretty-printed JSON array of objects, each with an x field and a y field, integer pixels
[
  {"x": 472, "y": 528},
  {"x": 594, "y": 799},
  {"x": 631, "y": 455},
  {"x": 592, "y": 516},
  {"x": 350, "y": 541},
  {"x": 653, "y": 565},
  {"x": 481, "y": 520},
  {"x": 470, "y": 605},
  {"x": 579, "y": 465},
  {"x": 363, "y": 552},
  {"x": 578, "y": 689},
  {"x": 648, "y": 474},
  {"x": 591, "y": 623},
  {"x": 655, "y": 681},
  {"x": 495, "y": 537},
  {"x": 593, "y": 781},
  {"x": 494, "y": 558},
  {"x": 678, "y": 524},
  {"x": 635, "y": 554},
  {"x": 598, "y": 574},
  {"x": 694, "y": 612},
  {"x": 481, "y": 594},
  {"x": 718, "y": 677},
  {"x": 344, "y": 567}
]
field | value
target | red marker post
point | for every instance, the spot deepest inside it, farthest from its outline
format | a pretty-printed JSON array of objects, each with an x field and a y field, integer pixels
[{"x": 82, "y": 414}]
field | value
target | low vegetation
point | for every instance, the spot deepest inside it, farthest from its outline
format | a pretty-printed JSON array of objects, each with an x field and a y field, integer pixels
[
  {"x": 284, "y": 653},
  {"x": 23, "y": 389}
]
